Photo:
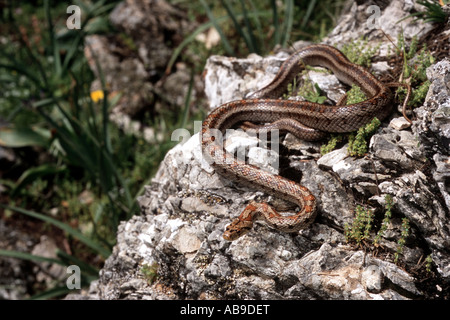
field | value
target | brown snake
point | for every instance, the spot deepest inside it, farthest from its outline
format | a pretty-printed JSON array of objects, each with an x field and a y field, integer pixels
[{"x": 306, "y": 120}]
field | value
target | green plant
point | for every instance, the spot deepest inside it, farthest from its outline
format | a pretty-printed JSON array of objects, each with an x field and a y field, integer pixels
[
  {"x": 355, "y": 95},
  {"x": 257, "y": 26},
  {"x": 415, "y": 64},
  {"x": 357, "y": 144},
  {"x": 308, "y": 90},
  {"x": 360, "y": 228},
  {"x": 331, "y": 144},
  {"x": 405, "y": 230},
  {"x": 251, "y": 23},
  {"x": 50, "y": 80},
  {"x": 428, "y": 263},
  {"x": 358, "y": 52},
  {"x": 386, "y": 220},
  {"x": 311, "y": 92},
  {"x": 88, "y": 272},
  {"x": 433, "y": 12},
  {"x": 358, "y": 141},
  {"x": 150, "y": 272}
]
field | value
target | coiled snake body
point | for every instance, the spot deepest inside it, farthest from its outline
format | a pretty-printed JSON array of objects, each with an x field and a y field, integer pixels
[{"x": 306, "y": 120}]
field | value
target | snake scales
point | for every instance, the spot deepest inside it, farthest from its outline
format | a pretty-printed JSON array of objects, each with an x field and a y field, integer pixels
[{"x": 306, "y": 120}]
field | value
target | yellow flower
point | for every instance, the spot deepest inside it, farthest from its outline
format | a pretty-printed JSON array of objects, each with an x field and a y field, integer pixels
[{"x": 97, "y": 95}]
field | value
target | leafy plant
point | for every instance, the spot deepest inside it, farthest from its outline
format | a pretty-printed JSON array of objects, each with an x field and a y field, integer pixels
[
  {"x": 251, "y": 23},
  {"x": 52, "y": 80},
  {"x": 428, "y": 263},
  {"x": 88, "y": 272},
  {"x": 331, "y": 144},
  {"x": 308, "y": 90},
  {"x": 357, "y": 144},
  {"x": 359, "y": 52},
  {"x": 258, "y": 26},
  {"x": 433, "y": 12},
  {"x": 150, "y": 272},
  {"x": 360, "y": 228},
  {"x": 355, "y": 95},
  {"x": 359, "y": 231},
  {"x": 405, "y": 230},
  {"x": 386, "y": 220},
  {"x": 415, "y": 64}
]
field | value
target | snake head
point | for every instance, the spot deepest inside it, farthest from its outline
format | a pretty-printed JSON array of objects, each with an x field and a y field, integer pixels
[{"x": 237, "y": 228}]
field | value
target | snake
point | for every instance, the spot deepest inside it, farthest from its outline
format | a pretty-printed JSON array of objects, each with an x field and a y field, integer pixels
[{"x": 262, "y": 110}]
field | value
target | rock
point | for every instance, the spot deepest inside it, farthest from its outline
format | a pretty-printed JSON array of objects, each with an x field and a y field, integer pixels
[
  {"x": 399, "y": 123},
  {"x": 400, "y": 149},
  {"x": 45, "y": 271},
  {"x": 433, "y": 127},
  {"x": 334, "y": 159},
  {"x": 187, "y": 206},
  {"x": 231, "y": 78},
  {"x": 15, "y": 275},
  {"x": 372, "y": 279},
  {"x": 442, "y": 175}
]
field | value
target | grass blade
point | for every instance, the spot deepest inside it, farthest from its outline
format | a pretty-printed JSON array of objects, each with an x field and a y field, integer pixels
[
  {"x": 276, "y": 23},
  {"x": 289, "y": 20},
  {"x": 35, "y": 173},
  {"x": 18, "y": 137},
  {"x": 71, "y": 260},
  {"x": 53, "y": 44},
  {"x": 215, "y": 22},
  {"x": 309, "y": 10},
  {"x": 75, "y": 233},
  {"x": 252, "y": 40},
  {"x": 29, "y": 256},
  {"x": 202, "y": 28},
  {"x": 237, "y": 26}
]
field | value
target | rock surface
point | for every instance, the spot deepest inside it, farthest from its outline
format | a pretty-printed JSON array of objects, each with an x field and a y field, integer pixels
[{"x": 178, "y": 237}]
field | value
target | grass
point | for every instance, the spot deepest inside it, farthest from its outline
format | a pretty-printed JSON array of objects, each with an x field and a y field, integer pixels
[
  {"x": 90, "y": 179},
  {"x": 415, "y": 64},
  {"x": 432, "y": 12},
  {"x": 255, "y": 26}
]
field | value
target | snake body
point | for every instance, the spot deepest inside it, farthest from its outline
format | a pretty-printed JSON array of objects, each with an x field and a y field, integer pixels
[{"x": 306, "y": 120}]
